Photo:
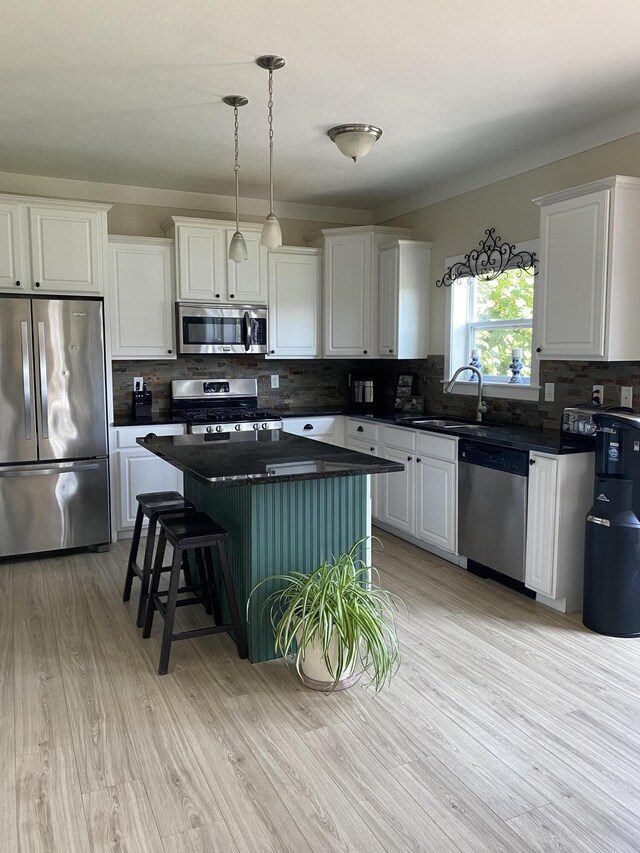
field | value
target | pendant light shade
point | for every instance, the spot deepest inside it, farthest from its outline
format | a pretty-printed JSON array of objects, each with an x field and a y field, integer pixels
[
  {"x": 237, "y": 246},
  {"x": 354, "y": 140},
  {"x": 271, "y": 236}
]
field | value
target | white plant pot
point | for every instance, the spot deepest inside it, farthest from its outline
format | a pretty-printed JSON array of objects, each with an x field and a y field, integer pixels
[{"x": 315, "y": 672}]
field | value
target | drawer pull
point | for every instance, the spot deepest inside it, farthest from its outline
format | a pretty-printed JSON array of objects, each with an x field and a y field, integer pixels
[
  {"x": 308, "y": 426},
  {"x": 360, "y": 429}
]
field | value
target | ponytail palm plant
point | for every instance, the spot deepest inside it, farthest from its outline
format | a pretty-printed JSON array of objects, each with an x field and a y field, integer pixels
[{"x": 336, "y": 622}]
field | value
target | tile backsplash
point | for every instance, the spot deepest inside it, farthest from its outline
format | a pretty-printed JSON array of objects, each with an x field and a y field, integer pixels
[{"x": 325, "y": 383}]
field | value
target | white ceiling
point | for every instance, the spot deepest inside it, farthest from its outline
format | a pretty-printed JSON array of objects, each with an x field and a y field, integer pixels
[{"x": 129, "y": 91}]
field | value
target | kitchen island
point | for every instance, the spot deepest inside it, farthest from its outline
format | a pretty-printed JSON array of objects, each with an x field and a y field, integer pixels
[{"x": 288, "y": 504}]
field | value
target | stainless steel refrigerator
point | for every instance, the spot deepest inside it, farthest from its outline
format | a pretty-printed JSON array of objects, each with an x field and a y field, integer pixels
[{"x": 54, "y": 471}]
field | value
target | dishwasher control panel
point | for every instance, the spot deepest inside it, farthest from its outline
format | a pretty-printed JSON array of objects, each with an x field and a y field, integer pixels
[{"x": 494, "y": 456}]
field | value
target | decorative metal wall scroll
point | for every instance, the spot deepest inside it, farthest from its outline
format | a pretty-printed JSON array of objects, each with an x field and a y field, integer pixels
[{"x": 489, "y": 261}]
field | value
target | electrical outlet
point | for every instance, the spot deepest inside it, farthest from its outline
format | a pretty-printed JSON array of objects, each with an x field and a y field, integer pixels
[
  {"x": 549, "y": 392},
  {"x": 626, "y": 396},
  {"x": 275, "y": 380},
  {"x": 138, "y": 383},
  {"x": 597, "y": 395}
]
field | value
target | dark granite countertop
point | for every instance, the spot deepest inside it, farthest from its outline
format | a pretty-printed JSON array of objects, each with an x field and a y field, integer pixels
[
  {"x": 238, "y": 459},
  {"x": 158, "y": 419}
]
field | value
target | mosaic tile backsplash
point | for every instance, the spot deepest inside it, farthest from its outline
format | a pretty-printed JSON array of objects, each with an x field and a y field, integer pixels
[{"x": 325, "y": 383}]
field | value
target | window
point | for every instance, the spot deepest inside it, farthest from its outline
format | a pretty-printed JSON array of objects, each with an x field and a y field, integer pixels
[{"x": 493, "y": 317}]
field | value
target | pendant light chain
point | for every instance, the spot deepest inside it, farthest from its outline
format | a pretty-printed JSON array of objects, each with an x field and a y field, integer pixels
[
  {"x": 270, "y": 106},
  {"x": 236, "y": 167}
]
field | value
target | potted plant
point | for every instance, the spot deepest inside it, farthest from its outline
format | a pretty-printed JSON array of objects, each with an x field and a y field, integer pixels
[{"x": 337, "y": 623}]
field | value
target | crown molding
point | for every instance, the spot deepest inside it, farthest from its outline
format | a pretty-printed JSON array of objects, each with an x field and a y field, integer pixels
[
  {"x": 602, "y": 132},
  {"x": 41, "y": 185}
]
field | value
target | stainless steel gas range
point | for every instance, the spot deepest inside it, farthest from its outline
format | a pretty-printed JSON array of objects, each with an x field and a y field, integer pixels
[{"x": 220, "y": 406}]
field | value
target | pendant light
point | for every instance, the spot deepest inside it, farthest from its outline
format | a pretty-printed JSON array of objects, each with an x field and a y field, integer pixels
[
  {"x": 237, "y": 246},
  {"x": 354, "y": 140},
  {"x": 271, "y": 236}
]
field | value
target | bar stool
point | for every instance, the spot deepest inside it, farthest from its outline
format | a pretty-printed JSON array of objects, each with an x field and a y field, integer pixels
[
  {"x": 153, "y": 505},
  {"x": 197, "y": 532}
]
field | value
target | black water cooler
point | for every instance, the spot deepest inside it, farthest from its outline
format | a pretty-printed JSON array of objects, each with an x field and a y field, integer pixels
[{"x": 612, "y": 550}]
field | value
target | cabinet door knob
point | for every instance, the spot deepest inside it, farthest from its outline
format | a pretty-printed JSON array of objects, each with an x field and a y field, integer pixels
[
  {"x": 169, "y": 351},
  {"x": 418, "y": 459},
  {"x": 217, "y": 296},
  {"x": 372, "y": 449},
  {"x": 273, "y": 352},
  {"x": 532, "y": 462},
  {"x": 360, "y": 429},
  {"x": 232, "y": 296},
  {"x": 390, "y": 350},
  {"x": 37, "y": 284},
  {"x": 538, "y": 349},
  {"x": 364, "y": 351},
  {"x": 17, "y": 284},
  {"x": 409, "y": 458}
]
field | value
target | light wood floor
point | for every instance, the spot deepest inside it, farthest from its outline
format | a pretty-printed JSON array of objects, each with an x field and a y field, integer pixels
[{"x": 508, "y": 728}]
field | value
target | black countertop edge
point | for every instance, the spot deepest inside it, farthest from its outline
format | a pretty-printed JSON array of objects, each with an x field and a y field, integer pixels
[{"x": 241, "y": 459}]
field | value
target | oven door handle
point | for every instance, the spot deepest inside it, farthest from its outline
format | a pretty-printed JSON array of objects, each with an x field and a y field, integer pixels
[{"x": 247, "y": 331}]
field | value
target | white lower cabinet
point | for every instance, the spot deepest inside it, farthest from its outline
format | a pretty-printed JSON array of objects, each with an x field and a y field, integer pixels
[
  {"x": 138, "y": 471},
  {"x": 327, "y": 428},
  {"x": 436, "y": 507},
  {"x": 560, "y": 495},
  {"x": 398, "y": 500}
]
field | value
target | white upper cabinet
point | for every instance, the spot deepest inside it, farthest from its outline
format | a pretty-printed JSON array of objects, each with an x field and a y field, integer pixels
[
  {"x": 353, "y": 304},
  {"x": 141, "y": 297},
  {"x": 587, "y": 298},
  {"x": 294, "y": 302},
  {"x": 403, "y": 303},
  {"x": 57, "y": 247},
  {"x": 203, "y": 271},
  {"x": 12, "y": 266},
  {"x": 247, "y": 281}
]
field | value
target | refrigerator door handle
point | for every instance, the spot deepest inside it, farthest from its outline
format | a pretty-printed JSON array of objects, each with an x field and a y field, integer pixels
[
  {"x": 26, "y": 381},
  {"x": 62, "y": 468},
  {"x": 44, "y": 394}
]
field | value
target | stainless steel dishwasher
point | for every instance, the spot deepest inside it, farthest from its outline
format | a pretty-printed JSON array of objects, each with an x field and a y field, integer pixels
[{"x": 492, "y": 506}]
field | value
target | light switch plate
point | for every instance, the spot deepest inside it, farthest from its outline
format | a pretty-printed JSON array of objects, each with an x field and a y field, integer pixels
[
  {"x": 626, "y": 396},
  {"x": 275, "y": 380},
  {"x": 138, "y": 383},
  {"x": 549, "y": 392}
]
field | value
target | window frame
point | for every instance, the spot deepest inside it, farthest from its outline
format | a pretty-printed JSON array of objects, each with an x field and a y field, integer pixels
[{"x": 458, "y": 335}]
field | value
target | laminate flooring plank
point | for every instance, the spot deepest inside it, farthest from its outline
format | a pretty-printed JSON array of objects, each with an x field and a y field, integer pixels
[
  {"x": 8, "y": 819},
  {"x": 550, "y": 830},
  {"x": 100, "y": 739},
  {"x": 256, "y": 815},
  {"x": 473, "y": 826},
  {"x": 120, "y": 818},
  {"x": 41, "y": 715},
  {"x": 326, "y": 818},
  {"x": 50, "y": 814},
  {"x": 212, "y": 838},
  {"x": 397, "y": 821},
  {"x": 178, "y": 792}
]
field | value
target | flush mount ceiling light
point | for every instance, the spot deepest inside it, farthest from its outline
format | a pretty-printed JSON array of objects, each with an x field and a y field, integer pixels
[
  {"x": 354, "y": 140},
  {"x": 237, "y": 246},
  {"x": 271, "y": 236}
]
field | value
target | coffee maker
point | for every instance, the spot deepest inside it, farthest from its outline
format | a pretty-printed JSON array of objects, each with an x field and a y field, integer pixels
[{"x": 362, "y": 389}]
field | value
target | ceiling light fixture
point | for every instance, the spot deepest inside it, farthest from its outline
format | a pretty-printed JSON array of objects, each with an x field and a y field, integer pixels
[
  {"x": 354, "y": 140},
  {"x": 271, "y": 236},
  {"x": 237, "y": 246}
]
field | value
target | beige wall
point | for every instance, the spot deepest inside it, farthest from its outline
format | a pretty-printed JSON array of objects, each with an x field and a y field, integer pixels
[
  {"x": 145, "y": 221},
  {"x": 456, "y": 225}
]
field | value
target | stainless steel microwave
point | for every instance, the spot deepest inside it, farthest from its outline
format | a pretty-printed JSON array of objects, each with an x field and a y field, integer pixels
[{"x": 220, "y": 329}]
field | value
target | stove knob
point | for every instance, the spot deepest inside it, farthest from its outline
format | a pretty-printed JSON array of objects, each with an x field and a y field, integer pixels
[
  {"x": 218, "y": 428},
  {"x": 256, "y": 426},
  {"x": 238, "y": 427},
  {"x": 264, "y": 426},
  {"x": 209, "y": 429}
]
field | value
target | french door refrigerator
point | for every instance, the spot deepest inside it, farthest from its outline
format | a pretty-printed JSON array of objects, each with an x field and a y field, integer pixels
[{"x": 54, "y": 472}]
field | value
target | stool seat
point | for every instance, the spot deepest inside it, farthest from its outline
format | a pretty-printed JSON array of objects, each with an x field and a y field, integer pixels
[
  {"x": 192, "y": 532},
  {"x": 153, "y": 505}
]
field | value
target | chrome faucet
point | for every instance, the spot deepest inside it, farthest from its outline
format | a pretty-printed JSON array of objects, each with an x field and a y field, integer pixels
[{"x": 481, "y": 407}]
